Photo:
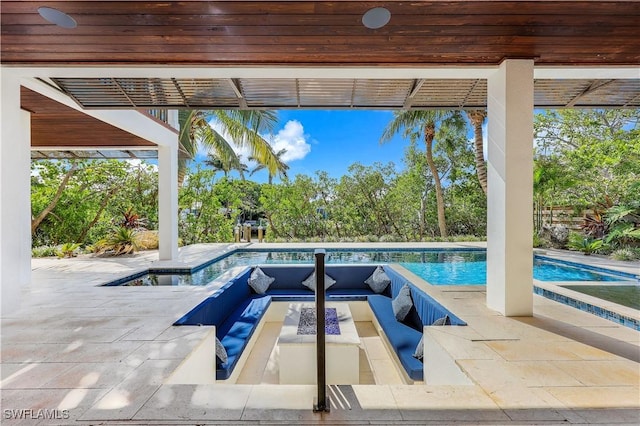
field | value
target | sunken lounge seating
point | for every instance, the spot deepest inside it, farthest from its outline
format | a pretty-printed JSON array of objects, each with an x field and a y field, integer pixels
[{"x": 236, "y": 310}]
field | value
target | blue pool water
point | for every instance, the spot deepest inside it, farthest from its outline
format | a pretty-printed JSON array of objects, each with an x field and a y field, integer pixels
[{"x": 438, "y": 267}]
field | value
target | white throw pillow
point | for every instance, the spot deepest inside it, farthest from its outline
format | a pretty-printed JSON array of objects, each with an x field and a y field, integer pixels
[
  {"x": 221, "y": 353},
  {"x": 259, "y": 281},
  {"x": 310, "y": 281},
  {"x": 402, "y": 303},
  {"x": 378, "y": 281}
]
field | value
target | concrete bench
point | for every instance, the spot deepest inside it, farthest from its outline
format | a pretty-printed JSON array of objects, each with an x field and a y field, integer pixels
[{"x": 236, "y": 311}]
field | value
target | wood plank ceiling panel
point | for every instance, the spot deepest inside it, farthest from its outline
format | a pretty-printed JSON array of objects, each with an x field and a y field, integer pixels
[
  {"x": 323, "y": 33},
  {"x": 56, "y": 125}
]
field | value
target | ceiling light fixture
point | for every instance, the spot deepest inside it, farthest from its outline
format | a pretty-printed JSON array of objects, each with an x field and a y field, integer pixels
[
  {"x": 57, "y": 17},
  {"x": 376, "y": 18}
]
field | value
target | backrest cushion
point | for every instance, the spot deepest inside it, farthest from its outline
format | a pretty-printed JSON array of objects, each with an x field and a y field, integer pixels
[
  {"x": 402, "y": 303},
  {"x": 378, "y": 281},
  {"x": 310, "y": 281},
  {"x": 259, "y": 281},
  {"x": 350, "y": 276},
  {"x": 289, "y": 277}
]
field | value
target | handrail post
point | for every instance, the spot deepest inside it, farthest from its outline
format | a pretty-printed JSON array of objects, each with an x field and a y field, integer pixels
[{"x": 321, "y": 402}]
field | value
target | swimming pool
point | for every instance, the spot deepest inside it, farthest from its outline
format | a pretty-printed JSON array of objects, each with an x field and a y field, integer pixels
[
  {"x": 436, "y": 266},
  {"x": 626, "y": 295}
]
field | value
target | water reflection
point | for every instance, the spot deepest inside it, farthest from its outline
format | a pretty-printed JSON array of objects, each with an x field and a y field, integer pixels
[{"x": 247, "y": 258}]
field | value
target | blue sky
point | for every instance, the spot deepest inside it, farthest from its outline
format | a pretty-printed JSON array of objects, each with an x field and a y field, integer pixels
[
  {"x": 332, "y": 140},
  {"x": 337, "y": 139}
]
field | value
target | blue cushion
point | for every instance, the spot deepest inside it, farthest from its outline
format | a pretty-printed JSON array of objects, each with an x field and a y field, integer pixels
[
  {"x": 349, "y": 292},
  {"x": 350, "y": 276},
  {"x": 289, "y": 277},
  {"x": 413, "y": 319},
  {"x": 216, "y": 308},
  {"x": 430, "y": 310},
  {"x": 237, "y": 330},
  {"x": 403, "y": 339},
  {"x": 279, "y": 292}
]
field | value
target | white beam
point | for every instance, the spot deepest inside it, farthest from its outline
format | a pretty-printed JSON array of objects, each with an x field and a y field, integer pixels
[
  {"x": 595, "y": 72},
  {"x": 15, "y": 194},
  {"x": 440, "y": 72},
  {"x": 510, "y": 189},
  {"x": 432, "y": 72},
  {"x": 130, "y": 121}
]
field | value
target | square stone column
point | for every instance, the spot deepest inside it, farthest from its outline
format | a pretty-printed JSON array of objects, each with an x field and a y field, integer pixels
[
  {"x": 510, "y": 188},
  {"x": 15, "y": 194},
  {"x": 168, "y": 202}
]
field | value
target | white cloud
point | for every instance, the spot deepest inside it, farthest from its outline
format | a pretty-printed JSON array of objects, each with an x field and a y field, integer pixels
[
  {"x": 293, "y": 139},
  {"x": 136, "y": 162}
]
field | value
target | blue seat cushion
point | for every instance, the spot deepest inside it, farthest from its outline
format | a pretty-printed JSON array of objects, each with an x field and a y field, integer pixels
[
  {"x": 236, "y": 331},
  {"x": 350, "y": 292},
  {"x": 291, "y": 292},
  {"x": 403, "y": 339},
  {"x": 287, "y": 278},
  {"x": 215, "y": 309}
]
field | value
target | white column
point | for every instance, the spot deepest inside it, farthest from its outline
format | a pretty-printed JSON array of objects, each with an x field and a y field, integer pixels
[
  {"x": 168, "y": 202},
  {"x": 510, "y": 189},
  {"x": 15, "y": 194}
]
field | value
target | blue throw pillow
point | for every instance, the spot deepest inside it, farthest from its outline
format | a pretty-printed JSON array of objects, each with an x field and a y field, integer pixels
[
  {"x": 310, "y": 281},
  {"x": 221, "y": 353},
  {"x": 259, "y": 281},
  {"x": 402, "y": 303},
  {"x": 378, "y": 281}
]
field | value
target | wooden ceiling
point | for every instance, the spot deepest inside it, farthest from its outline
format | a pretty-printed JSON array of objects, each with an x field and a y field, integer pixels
[
  {"x": 58, "y": 131},
  {"x": 312, "y": 33},
  {"x": 196, "y": 32}
]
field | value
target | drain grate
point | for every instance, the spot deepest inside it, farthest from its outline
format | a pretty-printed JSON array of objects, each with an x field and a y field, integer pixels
[{"x": 343, "y": 398}]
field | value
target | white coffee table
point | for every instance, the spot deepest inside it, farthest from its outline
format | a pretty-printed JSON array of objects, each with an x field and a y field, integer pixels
[{"x": 297, "y": 351}]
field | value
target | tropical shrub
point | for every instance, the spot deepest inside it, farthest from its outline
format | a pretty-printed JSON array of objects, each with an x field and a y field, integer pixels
[
  {"x": 121, "y": 241},
  {"x": 538, "y": 241},
  {"x": 626, "y": 254},
  {"x": 623, "y": 224},
  {"x": 68, "y": 250},
  {"x": 585, "y": 244},
  {"x": 44, "y": 251},
  {"x": 148, "y": 240}
]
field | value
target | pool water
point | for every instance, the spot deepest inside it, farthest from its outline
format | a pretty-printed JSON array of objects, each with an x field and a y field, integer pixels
[
  {"x": 438, "y": 267},
  {"x": 475, "y": 272},
  {"x": 626, "y": 295}
]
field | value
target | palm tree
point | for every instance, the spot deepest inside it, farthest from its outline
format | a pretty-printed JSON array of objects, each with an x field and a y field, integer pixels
[
  {"x": 423, "y": 122},
  {"x": 225, "y": 166},
  {"x": 476, "y": 117},
  {"x": 282, "y": 166},
  {"x": 243, "y": 128}
]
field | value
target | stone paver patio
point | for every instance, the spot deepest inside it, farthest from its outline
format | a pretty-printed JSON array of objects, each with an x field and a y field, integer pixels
[{"x": 101, "y": 355}]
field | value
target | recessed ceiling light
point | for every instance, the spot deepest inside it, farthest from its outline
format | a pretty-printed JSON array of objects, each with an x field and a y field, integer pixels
[
  {"x": 376, "y": 18},
  {"x": 57, "y": 17}
]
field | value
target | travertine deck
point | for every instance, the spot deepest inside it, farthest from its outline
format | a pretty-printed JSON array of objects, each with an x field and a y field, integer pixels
[{"x": 103, "y": 354}]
